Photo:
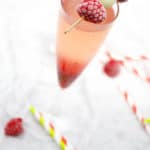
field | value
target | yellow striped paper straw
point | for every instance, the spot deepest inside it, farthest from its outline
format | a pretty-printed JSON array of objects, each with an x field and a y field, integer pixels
[{"x": 51, "y": 129}]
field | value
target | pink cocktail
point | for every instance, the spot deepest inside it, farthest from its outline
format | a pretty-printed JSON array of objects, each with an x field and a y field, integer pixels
[{"x": 77, "y": 48}]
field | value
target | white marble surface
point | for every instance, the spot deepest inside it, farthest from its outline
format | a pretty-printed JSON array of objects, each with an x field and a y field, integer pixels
[{"x": 28, "y": 75}]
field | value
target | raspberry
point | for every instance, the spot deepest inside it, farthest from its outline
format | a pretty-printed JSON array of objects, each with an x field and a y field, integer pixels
[
  {"x": 112, "y": 67},
  {"x": 14, "y": 127},
  {"x": 92, "y": 11},
  {"x": 68, "y": 71}
]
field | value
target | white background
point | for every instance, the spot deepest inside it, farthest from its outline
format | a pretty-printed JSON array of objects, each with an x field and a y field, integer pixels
[{"x": 27, "y": 35}]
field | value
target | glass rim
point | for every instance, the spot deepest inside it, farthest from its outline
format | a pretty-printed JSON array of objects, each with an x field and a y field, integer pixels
[
  {"x": 117, "y": 13},
  {"x": 98, "y": 26}
]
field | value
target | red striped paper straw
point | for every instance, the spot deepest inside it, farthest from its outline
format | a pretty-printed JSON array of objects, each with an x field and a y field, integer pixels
[
  {"x": 141, "y": 57},
  {"x": 134, "y": 108},
  {"x": 145, "y": 122},
  {"x": 133, "y": 70}
]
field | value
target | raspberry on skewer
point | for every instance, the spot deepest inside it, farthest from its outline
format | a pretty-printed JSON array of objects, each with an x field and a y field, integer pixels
[
  {"x": 92, "y": 11},
  {"x": 89, "y": 10}
]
